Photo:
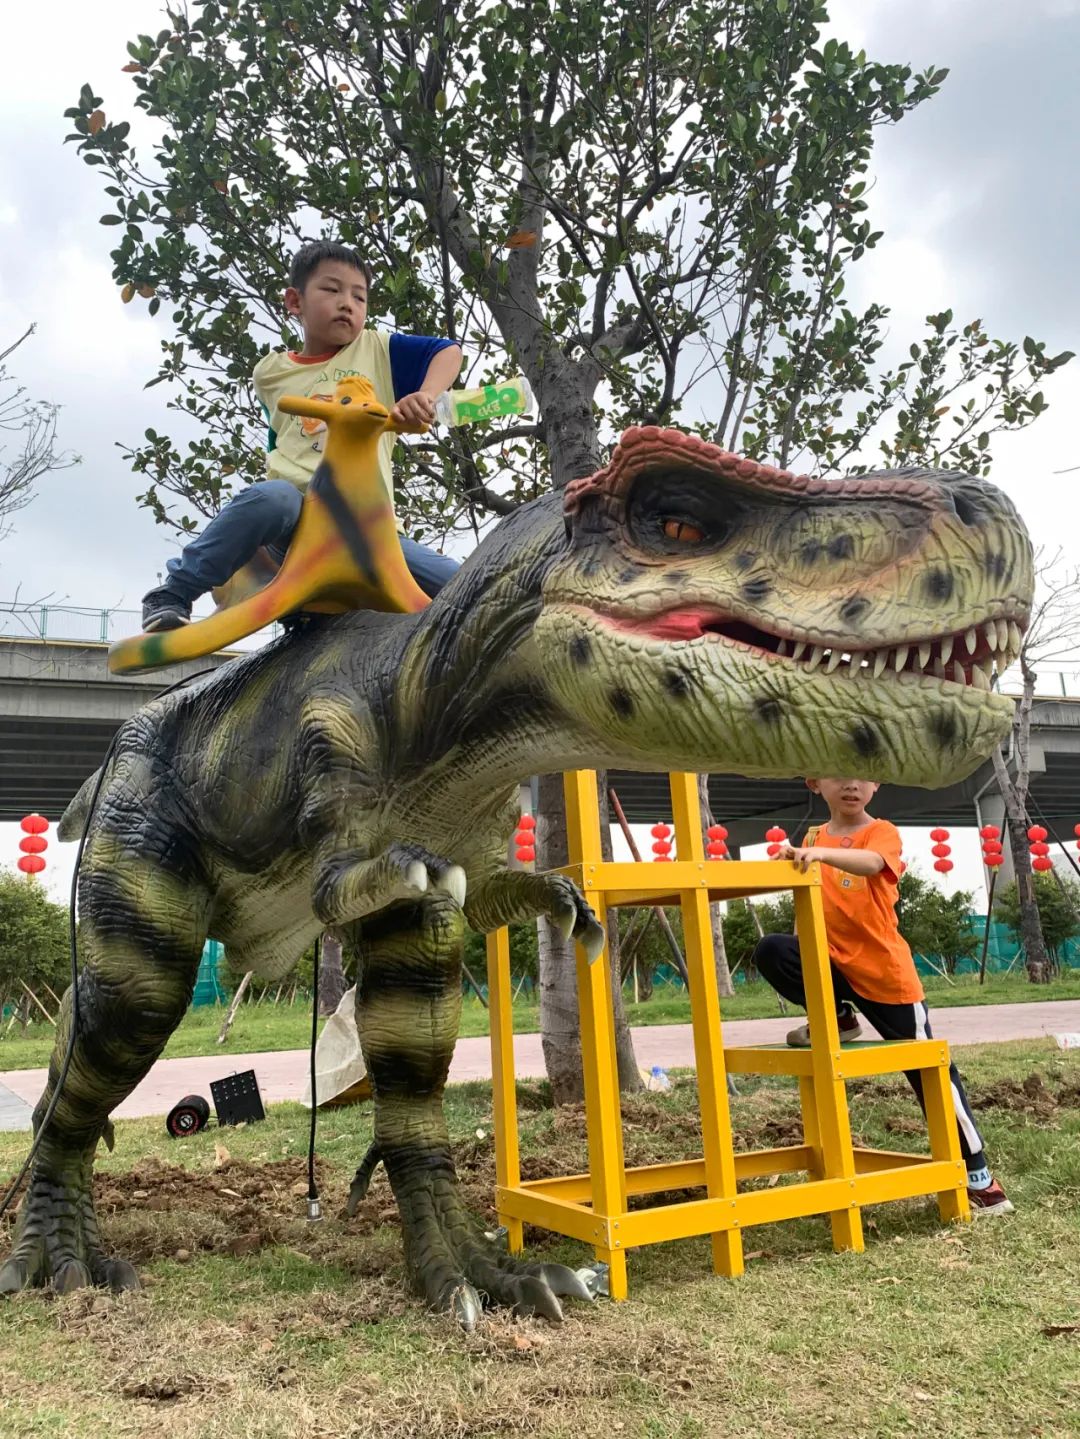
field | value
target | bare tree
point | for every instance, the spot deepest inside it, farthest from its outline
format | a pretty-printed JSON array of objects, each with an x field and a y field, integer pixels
[
  {"x": 32, "y": 424},
  {"x": 1053, "y": 633}
]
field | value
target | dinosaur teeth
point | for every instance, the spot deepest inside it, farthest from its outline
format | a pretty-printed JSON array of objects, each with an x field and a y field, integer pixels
[
  {"x": 990, "y": 631},
  {"x": 900, "y": 657},
  {"x": 881, "y": 659},
  {"x": 800, "y": 649},
  {"x": 834, "y": 659},
  {"x": 781, "y": 649},
  {"x": 924, "y": 655},
  {"x": 979, "y": 678},
  {"x": 1003, "y": 636},
  {"x": 971, "y": 640},
  {"x": 939, "y": 670},
  {"x": 816, "y": 655},
  {"x": 958, "y": 673},
  {"x": 1016, "y": 640},
  {"x": 946, "y": 649}
]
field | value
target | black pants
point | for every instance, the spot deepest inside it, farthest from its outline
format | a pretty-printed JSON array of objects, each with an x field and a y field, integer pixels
[{"x": 777, "y": 958}]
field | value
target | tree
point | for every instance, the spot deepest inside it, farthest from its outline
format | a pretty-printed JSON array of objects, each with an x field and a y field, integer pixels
[
  {"x": 1052, "y": 632},
  {"x": 33, "y": 939},
  {"x": 936, "y": 924},
  {"x": 629, "y": 203},
  {"x": 1058, "y": 902},
  {"x": 32, "y": 423}
]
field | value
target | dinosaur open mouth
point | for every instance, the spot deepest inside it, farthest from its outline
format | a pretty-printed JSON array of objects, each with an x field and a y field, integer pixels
[{"x": 965, "y": 657}]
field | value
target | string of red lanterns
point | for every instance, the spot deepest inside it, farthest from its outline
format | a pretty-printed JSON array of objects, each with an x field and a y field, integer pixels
[
  {"x": 1040, "y": 850},
  {"x": 941, "y": 850},
  {"x": 525, "y": 840},
  {"x": 661, "y": 846},
  {"x": 991, "y": 846},
  {"x": 775, "y": 837},
  {"x": 717, "y": 835},
  {"x": 33, "y": 843}
]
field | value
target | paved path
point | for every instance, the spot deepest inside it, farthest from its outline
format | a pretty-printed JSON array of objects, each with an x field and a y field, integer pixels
[{"x": 284, "y": 1075}]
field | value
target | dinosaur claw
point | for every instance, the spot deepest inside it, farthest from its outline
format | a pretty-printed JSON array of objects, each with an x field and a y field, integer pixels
[
  {"x": 14, "y": 1276},
  {"x": 536, "y": 1297},
  {"x": 593, "y": 939},
  {"x": 563, "y": 1281},
  {"x": 564, "y": 918},
  {"x": 118, "y": 1275},
  {"x": 452, "y": 882},
  {"x": 465, "y": 1306},
  {"x": 71, "y": 1275},
  {"x": 416, "y": 876}
]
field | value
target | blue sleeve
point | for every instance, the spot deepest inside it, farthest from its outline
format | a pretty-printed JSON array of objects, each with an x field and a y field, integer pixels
[{"x": 410, "y": 356}]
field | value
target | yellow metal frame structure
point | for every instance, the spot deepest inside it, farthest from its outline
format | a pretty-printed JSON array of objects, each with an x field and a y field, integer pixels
[{"x": 839, "y": 1177}]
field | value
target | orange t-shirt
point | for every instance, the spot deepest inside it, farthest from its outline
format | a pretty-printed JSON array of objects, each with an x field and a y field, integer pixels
[{"x": 860, "y": 918}]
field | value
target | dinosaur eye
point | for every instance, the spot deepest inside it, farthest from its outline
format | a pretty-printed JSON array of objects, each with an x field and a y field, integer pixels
[{"x": 680, "y": 530}]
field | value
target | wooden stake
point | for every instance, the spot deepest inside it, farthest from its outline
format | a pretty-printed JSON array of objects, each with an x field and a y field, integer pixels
[
  {"x": 237, "y": 997},
  {"x": 38, "y": 1002}
]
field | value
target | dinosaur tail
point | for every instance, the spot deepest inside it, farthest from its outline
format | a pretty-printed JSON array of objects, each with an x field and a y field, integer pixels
[{"x": 73, "y": 820}]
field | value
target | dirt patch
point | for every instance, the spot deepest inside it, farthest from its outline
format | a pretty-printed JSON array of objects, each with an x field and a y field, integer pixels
[{"x": 1032, "y": 1095}]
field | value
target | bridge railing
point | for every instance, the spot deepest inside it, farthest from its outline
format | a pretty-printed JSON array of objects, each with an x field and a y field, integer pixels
[{"x": 76, "y": 624}]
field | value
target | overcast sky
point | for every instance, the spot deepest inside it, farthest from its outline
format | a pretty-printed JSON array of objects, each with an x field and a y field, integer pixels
[{"x": 976, "y": 193}]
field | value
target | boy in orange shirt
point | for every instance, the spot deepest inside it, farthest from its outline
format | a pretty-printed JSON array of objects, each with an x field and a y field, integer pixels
[{"x": 872, "y": 967}]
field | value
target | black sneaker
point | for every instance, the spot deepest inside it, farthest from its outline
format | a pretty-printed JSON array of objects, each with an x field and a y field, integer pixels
[
  {"x": 164, "y": 609},
  {"x": 847, "y": 1021}
]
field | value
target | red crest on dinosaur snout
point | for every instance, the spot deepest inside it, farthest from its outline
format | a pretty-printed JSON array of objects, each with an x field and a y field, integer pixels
[
  {"x": 651, "y": 448},
  {"x": 648, "y": 447}
]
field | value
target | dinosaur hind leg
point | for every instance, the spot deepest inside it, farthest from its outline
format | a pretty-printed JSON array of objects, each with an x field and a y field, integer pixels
[
  {"x": 141, "y": 938},
  {"x": 408, "y": 1005}
]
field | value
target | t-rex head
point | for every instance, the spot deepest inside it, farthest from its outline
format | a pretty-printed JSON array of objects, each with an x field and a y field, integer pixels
[{"x": 722, "y": 614}]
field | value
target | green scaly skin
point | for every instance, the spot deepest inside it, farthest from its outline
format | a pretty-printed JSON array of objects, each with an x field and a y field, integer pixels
[{"x": 680, "y": 610}]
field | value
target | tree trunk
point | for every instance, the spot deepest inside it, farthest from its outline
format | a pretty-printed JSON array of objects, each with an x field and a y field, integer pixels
[
  {"x": 1031, "y": 935},
  {"x": 724, "y": 981},
  {"x": 559, "y": 1024},
  {"x": 1015, "y": 796},
  {"x": 332, "y": 981}
]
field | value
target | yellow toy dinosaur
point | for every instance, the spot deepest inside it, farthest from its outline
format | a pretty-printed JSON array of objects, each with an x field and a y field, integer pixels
[{"x": 345, "y": 554}]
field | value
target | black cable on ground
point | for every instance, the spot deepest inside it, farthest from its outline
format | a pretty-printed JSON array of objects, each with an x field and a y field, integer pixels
[
  {"x": 73, "y": 948},
  {"x": 314, "y": 1208}
]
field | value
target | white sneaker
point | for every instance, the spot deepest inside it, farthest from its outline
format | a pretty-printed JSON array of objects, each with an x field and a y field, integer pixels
[{"x": 849, "y": 1025}]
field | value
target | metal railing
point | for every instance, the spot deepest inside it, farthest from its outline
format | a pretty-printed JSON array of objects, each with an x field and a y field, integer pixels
[{"x": 74, "y": 624}]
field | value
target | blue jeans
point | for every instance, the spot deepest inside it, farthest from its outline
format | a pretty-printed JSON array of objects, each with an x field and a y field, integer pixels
[{"x": 267, "y": 514}]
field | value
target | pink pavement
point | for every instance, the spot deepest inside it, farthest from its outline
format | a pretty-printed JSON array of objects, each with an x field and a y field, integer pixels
[{"x": 283, "y": 1075}]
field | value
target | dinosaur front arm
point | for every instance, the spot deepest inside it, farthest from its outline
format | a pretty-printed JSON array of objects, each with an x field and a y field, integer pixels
[
  {"x": 512, "y": 896},
  {"x": 348, "y": 886}
]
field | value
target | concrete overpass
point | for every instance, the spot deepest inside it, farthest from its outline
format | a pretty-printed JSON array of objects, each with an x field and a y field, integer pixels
[{"x": 59, "y": 707}]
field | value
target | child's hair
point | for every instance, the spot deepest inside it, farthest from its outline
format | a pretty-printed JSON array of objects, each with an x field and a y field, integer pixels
[{"x": 306, "y": 259}]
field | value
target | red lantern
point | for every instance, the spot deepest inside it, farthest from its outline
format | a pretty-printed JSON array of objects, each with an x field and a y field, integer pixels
[
  {"x": 1036, "y": 833},
  {"x": 719, "y": 831},
  {"x": 991, "y": 846},
  {"x": 527, "y": 821},
  {"x": 31, "y": 863},
  {"x": 991, "y": 831},
  {"x": 1076, "y": 830},
  {"x": 939, "y": 836},
  {"x": 525, "y": 853},
  {"x": 943, "y": 865},
  {"x": 1039, "y": 849},
  {"x": 33, "y": 844},
  {"x": 992, "y": 860},
  {"x": 942, "y": 851},
  {"x": 776, "y": 834},
  {"x": 1041, "y": 863},
  {"x": 716, "y": 849},
  {"x": 34, "y": 824}
]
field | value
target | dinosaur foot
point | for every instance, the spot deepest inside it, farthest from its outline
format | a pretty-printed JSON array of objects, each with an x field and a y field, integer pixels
[
  {"x": 57, "y": 1240},
  {"x": 459, "y": 1272}
]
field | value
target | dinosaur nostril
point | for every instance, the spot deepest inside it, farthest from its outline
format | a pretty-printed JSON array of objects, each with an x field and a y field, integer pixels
[
  {"x": 346, "y": 399},
  {"x": 966, "y": 512}
]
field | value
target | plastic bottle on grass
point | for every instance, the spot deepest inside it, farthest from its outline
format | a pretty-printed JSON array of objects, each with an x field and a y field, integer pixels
[
  {"x": 489, "y": 402},
  {"x": 658, "y": 1080}
]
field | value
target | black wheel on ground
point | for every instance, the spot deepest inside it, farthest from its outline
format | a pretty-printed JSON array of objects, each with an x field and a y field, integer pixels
[{"x": 188, "y": 1117}]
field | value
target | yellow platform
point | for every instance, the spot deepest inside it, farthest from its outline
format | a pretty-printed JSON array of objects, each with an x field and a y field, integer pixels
[{"x": 839, "y": 1178}]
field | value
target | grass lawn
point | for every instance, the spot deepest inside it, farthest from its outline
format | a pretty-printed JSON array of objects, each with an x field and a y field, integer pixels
[
  {"x": 254, "y": 1324},
  {"x": 262, "y": 1027}
]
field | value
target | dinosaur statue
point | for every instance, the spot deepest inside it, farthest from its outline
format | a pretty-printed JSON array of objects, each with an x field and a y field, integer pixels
[{"x": 681, "y": 609}]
